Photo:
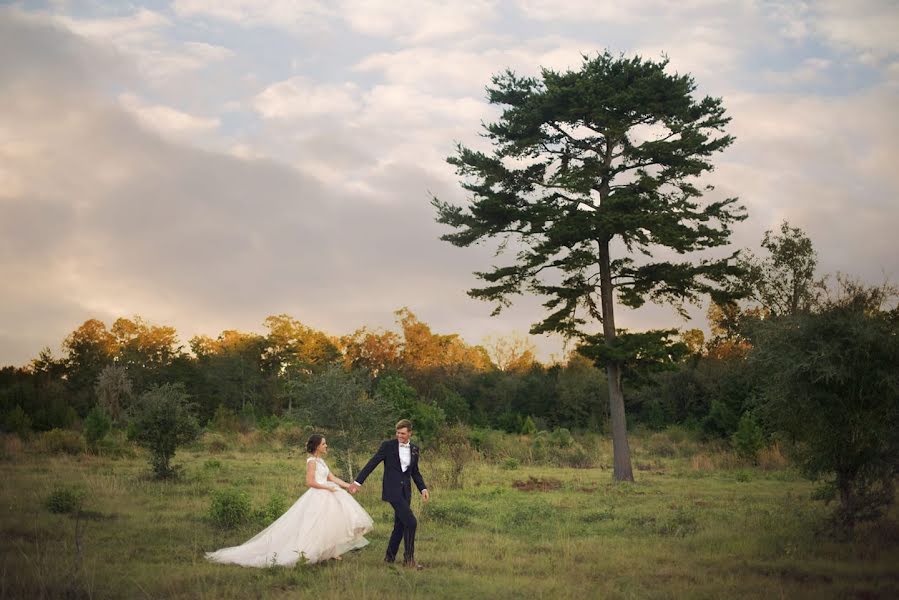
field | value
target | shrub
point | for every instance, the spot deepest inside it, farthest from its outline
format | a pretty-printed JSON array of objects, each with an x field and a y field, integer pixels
[
  {"x": 96, "y": 426},
  {"x": 575, "y": 456},
  {"x": 116, "y": 445},
  {"x": 268, "y": 423},
  {"x": 162, "y": 420},
  {"x": 229, "y": 508},
  {"x": 216, "y": 443},
  {"x": 17, "y": 421},
  {"x": 292, "y": 435},
  {"x": 272, "y": 509},
  {"x": 511, "y": 463},
  {"x": 65, "y": 500},
  {"x": 749, "y": 439},
  {"x": 453, "y": 443},
  {"x": 225, "y": 420},
  {"x": 829, "y": 381},
  {"x": 61, "y": 441},
  {"x": 660, "y": 445}
]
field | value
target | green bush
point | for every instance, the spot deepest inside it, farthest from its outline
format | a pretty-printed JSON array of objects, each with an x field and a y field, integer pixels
[
  {"x": 230, "y": 508},
  {"x": 116, "y": 445},
  {"x": 65, "y": 500},
  {"x": 61, "y": 441},
  {"x": 17, "y": 421},
  {"x": 271, "y": 510},
  {"x": 749, "y": 437},
  {"x": 162, "y": 420},
  {"x": 511, "y": 463},
  {"x": 225, "y": 420},
  {"x": 96, "y": 426},
  {"x": 575, "y": 457},
  {"x": 268, "y": 423}
]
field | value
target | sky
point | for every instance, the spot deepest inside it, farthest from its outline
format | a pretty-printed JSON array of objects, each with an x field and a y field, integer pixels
[{"x": 207, "y": 163}]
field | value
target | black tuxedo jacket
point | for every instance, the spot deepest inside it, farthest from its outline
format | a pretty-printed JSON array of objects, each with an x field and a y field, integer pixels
[{"x": 395, "y": 486}]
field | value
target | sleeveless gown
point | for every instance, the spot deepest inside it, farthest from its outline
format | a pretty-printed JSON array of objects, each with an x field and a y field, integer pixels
[{"x": 320, "y": 525}]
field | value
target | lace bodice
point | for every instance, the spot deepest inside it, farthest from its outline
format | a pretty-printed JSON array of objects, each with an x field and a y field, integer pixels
[{"x": 321, "y": 469}]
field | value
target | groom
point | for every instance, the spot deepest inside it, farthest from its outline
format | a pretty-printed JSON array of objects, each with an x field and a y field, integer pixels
[{"x": 400, "y": 459}]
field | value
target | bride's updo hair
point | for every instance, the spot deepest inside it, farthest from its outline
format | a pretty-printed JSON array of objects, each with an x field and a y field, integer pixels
[{"x": 314, "y": 442}]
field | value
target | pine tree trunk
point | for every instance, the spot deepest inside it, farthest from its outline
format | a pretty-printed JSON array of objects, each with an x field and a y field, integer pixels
[{"x": 620, "y": 449}]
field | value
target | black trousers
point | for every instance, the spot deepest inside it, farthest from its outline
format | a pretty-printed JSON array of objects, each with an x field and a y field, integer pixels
[{"x": 404, "y": 525}]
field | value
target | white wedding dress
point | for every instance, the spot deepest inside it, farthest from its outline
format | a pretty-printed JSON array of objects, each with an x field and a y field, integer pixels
[{"x": 320, "y": 525}]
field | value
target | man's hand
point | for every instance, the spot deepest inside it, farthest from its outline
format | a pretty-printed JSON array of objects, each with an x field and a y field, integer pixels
[
  {"x": 426, "y": 495},
  {"x": 353, "y": 488}
]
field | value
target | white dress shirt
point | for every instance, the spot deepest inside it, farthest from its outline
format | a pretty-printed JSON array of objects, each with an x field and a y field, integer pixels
[{"x": 405, "y": 456}]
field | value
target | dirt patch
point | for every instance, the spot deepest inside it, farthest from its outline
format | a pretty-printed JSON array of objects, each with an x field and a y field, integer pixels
[{"x": 537, "y": 484}]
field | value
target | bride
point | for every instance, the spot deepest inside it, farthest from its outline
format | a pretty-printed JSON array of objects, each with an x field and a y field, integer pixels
[{"x": 325, "y": 522}]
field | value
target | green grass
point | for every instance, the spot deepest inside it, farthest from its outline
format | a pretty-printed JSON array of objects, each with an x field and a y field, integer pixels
[{"x": 677, "y": 532}]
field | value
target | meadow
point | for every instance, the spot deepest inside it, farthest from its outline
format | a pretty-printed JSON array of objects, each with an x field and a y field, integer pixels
[{"x": 697, "y": 523}]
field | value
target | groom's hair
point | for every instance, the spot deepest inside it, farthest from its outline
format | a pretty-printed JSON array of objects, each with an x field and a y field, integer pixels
[{"x": 404, "y": 423}]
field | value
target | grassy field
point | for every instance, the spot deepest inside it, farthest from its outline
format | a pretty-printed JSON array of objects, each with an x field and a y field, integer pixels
[{"x": 688, "y": 528}]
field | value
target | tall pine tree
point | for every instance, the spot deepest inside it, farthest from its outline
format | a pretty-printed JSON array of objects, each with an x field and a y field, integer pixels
[{"x": 581, "y": 159}]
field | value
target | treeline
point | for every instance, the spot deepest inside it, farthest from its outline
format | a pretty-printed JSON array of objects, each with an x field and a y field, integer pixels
[{"x": 436, "y": 378}]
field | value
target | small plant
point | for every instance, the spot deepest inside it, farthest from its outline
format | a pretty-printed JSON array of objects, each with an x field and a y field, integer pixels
[
  {"x": 597, "y": 516},
  {"x": 65, "y": 500},
  {"x": 511, "y": 463},
  {"x": 272, "y": 509},
  {"x": 230, "y": 508},
  {"x": 743, "y": 476},
  {"x": 456, "y": 513},
  {"x": 212, "y": 464}
]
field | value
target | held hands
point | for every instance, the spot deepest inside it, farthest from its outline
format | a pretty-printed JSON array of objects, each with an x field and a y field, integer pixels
[{"x": 353, "y": 488}]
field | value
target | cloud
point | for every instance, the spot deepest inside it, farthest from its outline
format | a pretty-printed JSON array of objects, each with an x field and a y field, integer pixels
[
  {"x": 166, "y": 120},
  {"x": 417, "y": 21},
  {"x": 293, "y": 15},
  {"x": 139, "y": 36},
  {"x": 299, "y": 97},
  {"x": 867, "y": 27}
]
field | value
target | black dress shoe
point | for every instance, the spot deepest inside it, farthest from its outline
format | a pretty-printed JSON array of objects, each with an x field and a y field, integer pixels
[{"x": 389, "y": 560}]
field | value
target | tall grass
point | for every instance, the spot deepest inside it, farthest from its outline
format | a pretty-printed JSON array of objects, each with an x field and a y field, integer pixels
[{"x": 698, "y": 523}]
